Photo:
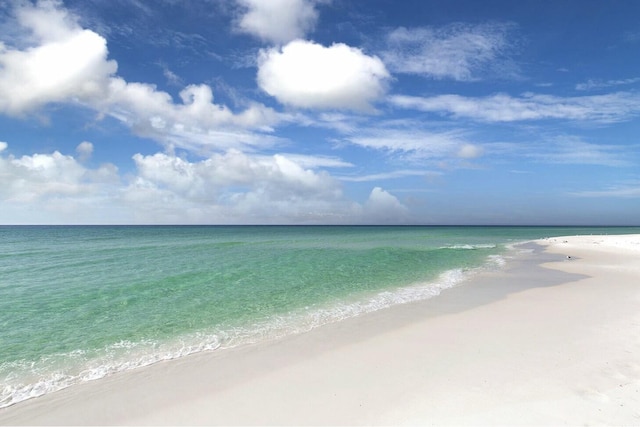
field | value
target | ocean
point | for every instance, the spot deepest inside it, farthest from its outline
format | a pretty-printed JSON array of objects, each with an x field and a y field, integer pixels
[{"x": 78, "y": 303}]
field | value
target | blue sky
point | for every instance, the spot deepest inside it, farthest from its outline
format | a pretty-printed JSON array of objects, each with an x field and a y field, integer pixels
[{"x": 320, "y": 112}]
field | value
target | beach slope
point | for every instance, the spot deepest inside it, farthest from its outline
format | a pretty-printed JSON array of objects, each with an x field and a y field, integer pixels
[{"x": 553, "y": 338}]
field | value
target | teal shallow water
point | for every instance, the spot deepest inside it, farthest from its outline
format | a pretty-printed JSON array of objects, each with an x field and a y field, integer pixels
[{"x": 78, "y": 303}]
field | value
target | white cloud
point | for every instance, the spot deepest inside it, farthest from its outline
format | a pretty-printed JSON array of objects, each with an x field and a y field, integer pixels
[
  {"x": 172, "y": 78},
  {"x": 623, "y": 190},
  {"x": 50, "y": 182},
  {"x": 599, "y": 84},
  {"x": 279, "y": 176},
  {"x": 63, "y": 63},
  {"x": 84, "y": 150},
  {"x": 308, "y": 75},
  {"x": 238, "y": 188},
  {"x": 418, "y": 143},
  {"x": 388, "y": 175},
  {"x": 470, "y": 151},
  {"x": 197, "y": 121},
  {"x": 632, "y": 36},
  {"x": 565, "y": 149},
  {"x": 314, "y": 162},
  {"x": 610, "y": 108},
  {"x": 343, "y": 123},
  {"x": 457, "y": 51},
  {"x": 233, "y": 187},
  {"x": 277, "y": 21},
  {"x": 383, "y": 207},
  {"x": 41, "y": 174},
  {"x": 572, "y": 150},
  {"x": 66, "y": 63}
]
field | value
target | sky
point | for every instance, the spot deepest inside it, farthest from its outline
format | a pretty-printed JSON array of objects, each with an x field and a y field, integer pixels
[{"x": 439, "y": 112}]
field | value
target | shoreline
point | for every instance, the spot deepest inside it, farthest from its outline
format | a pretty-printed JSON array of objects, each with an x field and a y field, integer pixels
[
  {"x": 546, "y": 340},
  {"x": 280, "y": 327}
]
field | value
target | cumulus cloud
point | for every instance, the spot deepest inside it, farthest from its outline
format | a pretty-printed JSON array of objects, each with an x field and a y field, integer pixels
[
  {"x": 276, "y": 176},
  {"x": 64, "y": 63},
  {"x": 41, "y": 174},
  {"x": 458, "y": 51},
  {"x": 84, "y": 150},
  {"x": 44, "y": 177},
  {"x": 308, "y": 75},
  {"x": 277, "y": 21},
  {"x": 383, "y": 207},
  {"x": 196, "y": 121},
  {"x": 52, "y": 59},
  {"x": 609, "y": 108},
  {"x": 232, "y": 187},
  {"x": 57, "y": 61},
  {"x": 238, "y": 188}
]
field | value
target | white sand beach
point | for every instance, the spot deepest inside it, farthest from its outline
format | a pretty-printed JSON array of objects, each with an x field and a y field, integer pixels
[{"x": 550, "y": 340}]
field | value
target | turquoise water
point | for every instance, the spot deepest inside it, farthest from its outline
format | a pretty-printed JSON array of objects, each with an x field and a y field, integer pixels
[{"x": 79, "y": 303}]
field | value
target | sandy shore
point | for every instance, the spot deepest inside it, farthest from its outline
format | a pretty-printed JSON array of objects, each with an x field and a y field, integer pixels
[{"x": 549, "y": 340}]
